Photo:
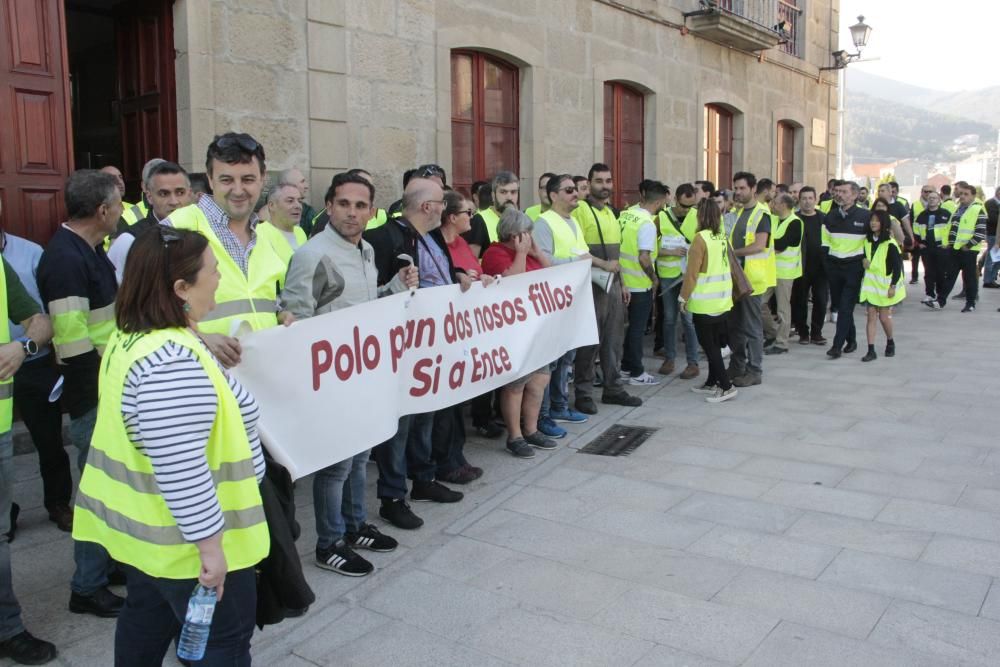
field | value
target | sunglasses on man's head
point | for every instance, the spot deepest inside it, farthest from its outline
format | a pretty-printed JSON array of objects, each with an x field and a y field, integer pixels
[
  {"x": 430, "y": 170},
  {"x": 241, "y": 140}
]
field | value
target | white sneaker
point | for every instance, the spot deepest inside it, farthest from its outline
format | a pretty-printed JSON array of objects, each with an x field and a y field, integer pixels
[
  {"x": 927, "y": 299},
  {"x": 726, "y": 352},
  {"x": 645, "y": 380},
  {"x": 722, "y": 396},
  {"x": 705, "y": 389}
]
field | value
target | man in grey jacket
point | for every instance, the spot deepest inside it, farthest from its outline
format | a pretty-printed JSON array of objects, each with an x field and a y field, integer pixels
[{"x": 334, "y": 270}]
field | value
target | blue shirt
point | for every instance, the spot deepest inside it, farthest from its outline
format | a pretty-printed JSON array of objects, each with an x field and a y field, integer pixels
[
  {"x": 433, "y": 263},
  {"x": 23, "y": 256}
]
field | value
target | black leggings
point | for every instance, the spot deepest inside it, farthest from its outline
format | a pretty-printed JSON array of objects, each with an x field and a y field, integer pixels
[{"x": 712, "y": 330}]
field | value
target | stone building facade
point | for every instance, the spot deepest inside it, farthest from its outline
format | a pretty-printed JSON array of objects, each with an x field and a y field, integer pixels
[{"x": 332, "y": 84}]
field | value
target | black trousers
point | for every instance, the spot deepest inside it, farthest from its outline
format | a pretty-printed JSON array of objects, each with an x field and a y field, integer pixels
[
  {"x": 711, "y": 330},
  {"x": 845, "y": 289},
  {"x": 32, "y": 384},
  {"x": 964, "y": 262},
  {"x": 482, "y": 409},
  {"x": 915, "y": 253},
  {"x": 812, "y": 284},
  {"x": 938, "y": 267}
]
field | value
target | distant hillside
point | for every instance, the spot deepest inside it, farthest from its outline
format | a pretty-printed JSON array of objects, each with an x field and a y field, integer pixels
[
  {"x": 981, "y": 105},
  {"x": 884, "y": 130}
]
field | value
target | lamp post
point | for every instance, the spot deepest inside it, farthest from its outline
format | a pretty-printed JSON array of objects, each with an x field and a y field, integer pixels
[{"x": 860, "y": 33}]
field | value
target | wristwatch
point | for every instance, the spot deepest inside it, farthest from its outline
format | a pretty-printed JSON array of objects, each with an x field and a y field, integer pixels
[{"x": 30, "y": 347}]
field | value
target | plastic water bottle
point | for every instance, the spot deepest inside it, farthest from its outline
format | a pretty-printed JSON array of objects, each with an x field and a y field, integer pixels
[{"x": 197, "y": 623}]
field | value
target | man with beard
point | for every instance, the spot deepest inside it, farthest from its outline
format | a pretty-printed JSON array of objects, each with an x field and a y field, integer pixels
[
  {"x": 484, "y": 224},
  {"x": 601, "y": 231},
  {"x": 543, "y": 198}
]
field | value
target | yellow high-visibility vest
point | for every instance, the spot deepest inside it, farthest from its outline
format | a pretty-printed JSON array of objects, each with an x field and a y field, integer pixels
[{"x": 713, "y": 293}]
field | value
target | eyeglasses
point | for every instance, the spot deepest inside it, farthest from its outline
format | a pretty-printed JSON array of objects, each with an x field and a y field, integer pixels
[
  {"x": 569, "y": 190},
  {"x": 241, "y": 140},
  {"x": 469, "y": 212}
]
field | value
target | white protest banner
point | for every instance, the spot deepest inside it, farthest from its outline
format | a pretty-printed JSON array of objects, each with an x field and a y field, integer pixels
[{"x": 334, "y": 385}]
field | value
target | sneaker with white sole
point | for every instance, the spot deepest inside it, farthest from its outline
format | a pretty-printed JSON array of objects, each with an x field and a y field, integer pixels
[
  {"x": 705, "y": 389},
  {"x": 721, "y": 396},
  {"x": 645, "y": 379},
  {"x": 371, "y": 538},
  {"x": 341, "y": 559},
  {"x": 927, "y": 299}
]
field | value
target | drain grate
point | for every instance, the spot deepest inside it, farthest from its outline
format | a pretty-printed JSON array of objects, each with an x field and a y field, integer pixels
[{"x": 618, "y": 440}]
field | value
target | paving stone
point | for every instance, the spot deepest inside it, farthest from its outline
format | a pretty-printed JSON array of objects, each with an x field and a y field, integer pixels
[
  {"x": 991, "y": 607},
  {"x": 552, "y": 586},
  {"x": 738, "y": 513},
  {"x": 630, "y": 492},
  {"x": 964, "y": 554},
  {"x": 898, "y": 486},
  {"x": 821, "y": 499},
  {"x": 942, "y": 519},
  {"x": 918, "y": 582},
  {"x": 344, "y": 626},
  {"x": 703, "y": 479},
  {"x": 791, "y": 645},
  {"x": 548, "y": 504},
  {"x": 975, "y": 498},
  {"x": 526, "y": 638},
  {"x": 766, "y": 551},
  {"x": 704, "y": 456},
  {"x": 860, "y": 535},
  {"x": 703, "y": 628},
  {"x": 963, "y": 473},
  {"x": 661, "y": 655},
  {"x": 795, "y": 471},
  {"x": 462, "y": 558},
  {"x": 435, "y": 603},
  {"x": 563, "y": 479},
  {"x": 650, "y": 526},
  {"x": 818, "y": 605},
  {"x": 955, "y": 637}
]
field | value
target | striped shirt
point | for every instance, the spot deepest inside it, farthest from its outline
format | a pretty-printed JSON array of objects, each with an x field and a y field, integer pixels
[
  {"x": 219, "y": 222},
  {"x": 169, "y": 406}
]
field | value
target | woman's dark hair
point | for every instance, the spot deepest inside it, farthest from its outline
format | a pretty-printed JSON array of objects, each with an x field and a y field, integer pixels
[
  {"x": 453, "y": 204},
  {"x": 159, "y": 257},
  {"x": 709, "y": 217},
  {"x": 885, "y": 227},
  {"x": 880, "y": 200}
]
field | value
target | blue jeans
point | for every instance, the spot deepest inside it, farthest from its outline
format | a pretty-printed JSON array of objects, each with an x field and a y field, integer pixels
[
  {"x": 556, "y": 396},
  {"x": 639, "y": 306},
  {"x": 407, "y": 453},
  {"x": 92, "y": 560},
  {"x": 671, "y": 309},
  {"x": 154, "y": 613},
  {"x": 10, "y": 610},
  {"x": 339, "y": 499},
  {"x": 990, "y": 267}
]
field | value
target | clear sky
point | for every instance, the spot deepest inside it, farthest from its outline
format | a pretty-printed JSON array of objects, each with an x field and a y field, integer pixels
[{"x": 928, "y": 43}]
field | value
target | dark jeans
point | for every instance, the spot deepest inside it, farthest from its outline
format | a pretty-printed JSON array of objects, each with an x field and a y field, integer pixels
[
  {"x": 710, "y": 330},
  {"x": 937, "y": 267},
  {"x": 408, "y": 453},
  {"x": 915, "y": 253},
  {"x": 339, "y": 499},
  {"x": 482, "y": 409},
  {"x": 92, "y": 560},
  {"x": 746, "y": 337},
  {"x": 964, "y": 262},
  {"x": 812, "y": 285},
  {"x": 845, "y": 289},
  {"x": 10, "y": 610},
  {"x": 154, "y": 613},
  {"x": 639, "y": 308},
  {"x": 448, "y": 439},
  {"x": 32, "y": 384}
]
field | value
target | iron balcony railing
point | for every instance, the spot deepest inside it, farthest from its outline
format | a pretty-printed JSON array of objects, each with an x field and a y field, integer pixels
[{"x": 783, "y": 17}]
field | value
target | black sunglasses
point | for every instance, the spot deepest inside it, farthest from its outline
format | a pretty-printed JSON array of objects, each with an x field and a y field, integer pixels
[
  {"x": 569, "y": 190},
  {"x": 430, "y": 170},
  {"x": 240, "y": 140}
]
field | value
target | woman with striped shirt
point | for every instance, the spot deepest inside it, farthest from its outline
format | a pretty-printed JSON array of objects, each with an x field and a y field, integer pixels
[{"x": 171, "y": 483}]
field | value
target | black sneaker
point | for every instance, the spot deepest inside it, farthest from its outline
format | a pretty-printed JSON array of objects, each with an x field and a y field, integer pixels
[
  {"x": 433, "y": 491},
  {"x": 870, "y": 356},
  {"x": 369, "y": 537},
  {"x": 890, "y": 349},
  {"x": 621, "y": 398},
  {"x": 586, "y": 405},
  {"x": 850, "y": 347},
  {"x": 27, "y": 650},
  {"x": 102, "y": 603},
  {"x": 520, "y": 448},
  {"x": 341, "y": 559},
  {"x": 969, "y": 308},
  {"x": 833, "y": 353},
  {"x": 490, "y": 430},
  {"x": 539, "y": 441},
  {"x": 399, "y": 514}
]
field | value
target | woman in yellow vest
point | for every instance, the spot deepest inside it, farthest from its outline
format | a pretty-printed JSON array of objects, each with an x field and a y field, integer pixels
[
  {"x": 883, "y": 285},
  {"x": 707, "y": 294},
  {"x": 170, "y": 488}
]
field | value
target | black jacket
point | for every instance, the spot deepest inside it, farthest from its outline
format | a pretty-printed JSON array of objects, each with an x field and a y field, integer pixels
[{"x": 397, "y": 236}]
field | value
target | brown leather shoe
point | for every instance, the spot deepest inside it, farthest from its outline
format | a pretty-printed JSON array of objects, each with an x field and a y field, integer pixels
[
  {"x": 667, "y": 368},
  {"x": 62, "y": 516},
  {"x": 691, "y": 371}
]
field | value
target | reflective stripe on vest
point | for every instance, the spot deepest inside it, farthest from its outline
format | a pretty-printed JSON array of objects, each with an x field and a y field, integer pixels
[
  {"x": 119, "y": 504},
  {"x": 966, "y": 228},
  {"x": 788, "y": 262},
  {"x": 760, "y": 267},
  {"x": 669, "y": 266},
  {"x": 919, "y": 229},
  {"x": 875, "y": 284},
  {"x": 713, "y": 293},
  {"x": 633, "y": 276},
  {"x": 77, "y": 329},
  {"x": 250, "y": 297},
  {"x": 133, "y": 213},
  {"x": 567, "y": 241}
]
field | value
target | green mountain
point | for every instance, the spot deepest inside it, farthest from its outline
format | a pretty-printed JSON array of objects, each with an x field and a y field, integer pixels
[{"x": 981, "y": 105}]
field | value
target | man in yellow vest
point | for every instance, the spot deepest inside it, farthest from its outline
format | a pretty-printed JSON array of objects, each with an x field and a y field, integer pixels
[
  {"x": 506, "y": 190},
  {"x": 966, "y": 234},
  {"x": 765, "y": 191},
  {"x": 16, "y": 306},
  {"x": 843, "y": 240},
  {"x": 677, "y": 226},
  {"x": 602, "y": 232},
  {"x": 753, "y": 244},
  {"x": 544, "y": 204},
  {"x": 250, "y": 267},
  {"x": 638, "y": 273},
  {"x": 788, "y": 267},
  {"x": 284, "y": 207}
]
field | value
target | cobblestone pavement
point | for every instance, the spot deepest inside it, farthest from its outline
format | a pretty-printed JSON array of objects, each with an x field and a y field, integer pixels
[{"x": 839, "y": 514}]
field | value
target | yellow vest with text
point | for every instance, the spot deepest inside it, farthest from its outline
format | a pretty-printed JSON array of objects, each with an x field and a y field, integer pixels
[
  {"x": 597, "y": 224},
  {"x": 6, "y": 386},
  {"x": 491, "y": 219},
  {"x": 119, "y": 504},
  {"x": 633, "y": 275},
  {"x": 567, "y": 241},
  {"x": 760, "y": 267},
  {"x": 966, "y": 227},
  {"x": 713, "y": 292},
  {"x": 253, "y": 297},
  {"x": 280, "y": 242},
  {"x": 876, "y": 282},
  {"x": 788, "y": 262},
  {"x": 669, "y": 266}
]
